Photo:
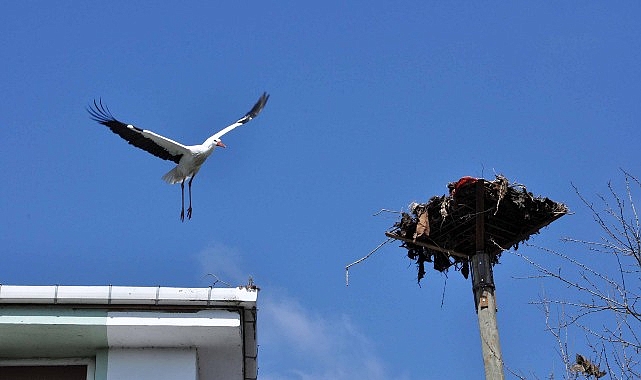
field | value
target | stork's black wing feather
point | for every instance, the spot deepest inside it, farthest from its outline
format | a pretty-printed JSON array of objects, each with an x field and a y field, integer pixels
[
  {"x": 260, "y": 104},
  {"x": 134, "y": 136}
]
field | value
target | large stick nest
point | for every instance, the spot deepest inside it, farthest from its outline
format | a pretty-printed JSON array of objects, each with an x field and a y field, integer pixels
[{"x": 443, "y": 230}]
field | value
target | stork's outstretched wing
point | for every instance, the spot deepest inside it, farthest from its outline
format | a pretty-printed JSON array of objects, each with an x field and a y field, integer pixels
[
  {"x": 149, "y": 141},
  {"x": 260, "y": 104}
]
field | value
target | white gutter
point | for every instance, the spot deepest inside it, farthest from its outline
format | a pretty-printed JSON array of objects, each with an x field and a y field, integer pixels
[{"x": 127, "y": 295}]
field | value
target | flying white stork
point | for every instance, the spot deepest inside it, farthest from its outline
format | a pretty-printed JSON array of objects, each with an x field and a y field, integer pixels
[{"x": 188, "y": 157}]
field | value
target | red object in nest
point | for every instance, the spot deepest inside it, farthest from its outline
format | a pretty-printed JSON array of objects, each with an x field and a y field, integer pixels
[{"x": 464, "y": 181}]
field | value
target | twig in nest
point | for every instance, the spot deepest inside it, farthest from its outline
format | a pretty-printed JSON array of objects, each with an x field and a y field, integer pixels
[
  {"x": 444, "y": 206},
  {"x": 363, "y": 259},
  {"x": 498, "y": 246},
  {"x": 501, "y": 188}
]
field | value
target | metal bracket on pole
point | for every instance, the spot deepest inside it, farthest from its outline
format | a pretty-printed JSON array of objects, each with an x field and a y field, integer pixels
[{"x": 482, "y": 278}]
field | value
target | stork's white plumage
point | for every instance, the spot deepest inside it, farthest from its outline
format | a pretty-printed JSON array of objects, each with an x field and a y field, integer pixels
[{"x": 188, "y": 157}]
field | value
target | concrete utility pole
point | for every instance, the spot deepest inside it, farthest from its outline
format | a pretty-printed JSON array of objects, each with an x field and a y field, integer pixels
[{"x": 483, "y": 288}]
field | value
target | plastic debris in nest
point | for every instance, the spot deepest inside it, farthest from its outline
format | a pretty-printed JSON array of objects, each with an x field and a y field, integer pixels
[{"x": 443, "y": 230}]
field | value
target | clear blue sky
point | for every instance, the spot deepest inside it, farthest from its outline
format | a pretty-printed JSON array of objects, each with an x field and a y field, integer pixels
[{"x": 373, "y": 105}]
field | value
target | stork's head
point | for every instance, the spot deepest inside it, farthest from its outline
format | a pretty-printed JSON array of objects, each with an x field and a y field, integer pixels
[{"x": 220, "y": 144}]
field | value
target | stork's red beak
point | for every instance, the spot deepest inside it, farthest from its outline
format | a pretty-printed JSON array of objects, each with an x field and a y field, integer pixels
[{"x": 220, "y": 143}]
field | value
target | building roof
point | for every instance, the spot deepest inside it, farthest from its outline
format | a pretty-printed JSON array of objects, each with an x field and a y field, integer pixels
[{"x": 78, "y": 321}]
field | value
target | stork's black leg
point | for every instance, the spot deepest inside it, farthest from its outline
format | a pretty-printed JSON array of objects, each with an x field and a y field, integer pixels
[
  {"x": 182, "y": 210},
  {"x": 189, "y": 209}
]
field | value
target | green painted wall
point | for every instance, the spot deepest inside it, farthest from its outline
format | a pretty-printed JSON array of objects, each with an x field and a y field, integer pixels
[
  {"x": 51, "y": 331},
  {"x": 102, "y": 357}
]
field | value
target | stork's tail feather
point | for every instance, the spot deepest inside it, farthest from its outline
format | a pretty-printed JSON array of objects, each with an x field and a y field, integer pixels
[{"x": 173, "y": 176}]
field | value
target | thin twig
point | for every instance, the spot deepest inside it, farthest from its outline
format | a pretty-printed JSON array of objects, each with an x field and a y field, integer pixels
[
  {"x": 217, "y": 279},
  {"x": 363, "y": 259},
  {"x": 387, "y": 210}
]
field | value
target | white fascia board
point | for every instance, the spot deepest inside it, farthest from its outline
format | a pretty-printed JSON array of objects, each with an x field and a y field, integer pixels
[
  {"x": 202, "y": 318},
  {"x": 205, "y": 328},
  {"x": 52, "y": 320}
]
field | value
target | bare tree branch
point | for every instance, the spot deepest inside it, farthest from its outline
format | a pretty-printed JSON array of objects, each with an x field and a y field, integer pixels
[{"x": 602, "y": 300}]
